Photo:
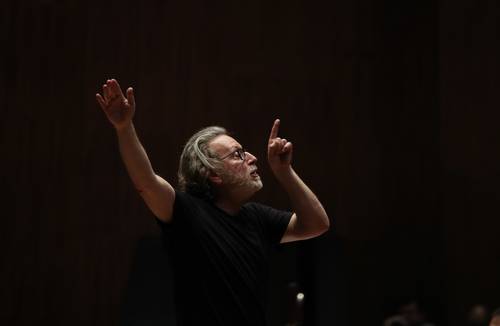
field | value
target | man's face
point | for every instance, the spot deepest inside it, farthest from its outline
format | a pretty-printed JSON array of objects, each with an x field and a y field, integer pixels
[{"x": 236, "y": 172}]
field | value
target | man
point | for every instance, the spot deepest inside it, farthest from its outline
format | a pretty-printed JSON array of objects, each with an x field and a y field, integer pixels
[{"x": 219, "y": 242}]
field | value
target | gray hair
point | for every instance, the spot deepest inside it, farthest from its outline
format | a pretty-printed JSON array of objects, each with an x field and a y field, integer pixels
[{"x": 197, "y": 161}]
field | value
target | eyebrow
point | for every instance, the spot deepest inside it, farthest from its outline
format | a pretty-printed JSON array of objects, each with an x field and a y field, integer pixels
[{"x": 234, "y": 148}]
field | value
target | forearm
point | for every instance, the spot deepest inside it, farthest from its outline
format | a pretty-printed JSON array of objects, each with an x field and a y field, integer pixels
[
  {"x": 135, "y": 158},
  {"x": 310, "y": 213}
]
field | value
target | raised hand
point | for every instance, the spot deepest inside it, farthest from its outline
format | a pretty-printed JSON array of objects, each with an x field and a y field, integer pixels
[
  {"x": 279, "y": 151},
  {"x": 118, "y": 108}
]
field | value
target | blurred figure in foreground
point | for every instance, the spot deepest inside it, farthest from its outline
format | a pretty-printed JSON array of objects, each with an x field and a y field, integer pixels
[
  {"x": 410, "y": 314},
  {"x": 477, "y": 315},
  {"x": 495, "y": 318}
]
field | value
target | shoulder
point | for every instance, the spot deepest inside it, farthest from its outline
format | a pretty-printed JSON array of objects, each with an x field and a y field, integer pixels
[
  {"x": 185, "y": 205},
  {"x": 185, "y": 198},
  {"x": 257, "y": 206},
  {"x": 263, "y": 209},
  {"x": 273, "y": 222},
  {"x": 257, "y": 209},
  {"x": 267, "y": 213}
]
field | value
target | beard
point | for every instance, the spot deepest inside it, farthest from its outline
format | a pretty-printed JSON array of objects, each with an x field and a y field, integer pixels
[{"x": 247, "y": 182}]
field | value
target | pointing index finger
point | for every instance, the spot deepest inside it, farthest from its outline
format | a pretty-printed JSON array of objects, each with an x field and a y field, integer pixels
[{"x": 274, "y": 129}]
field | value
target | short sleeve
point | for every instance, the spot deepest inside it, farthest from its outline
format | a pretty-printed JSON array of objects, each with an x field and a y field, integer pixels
[
  {"x": 181, "y": 202},
  {"x": 274, "y": 222}
]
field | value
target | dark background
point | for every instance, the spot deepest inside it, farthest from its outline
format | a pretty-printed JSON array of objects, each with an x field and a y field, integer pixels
[{"x": 392, "y": 107}]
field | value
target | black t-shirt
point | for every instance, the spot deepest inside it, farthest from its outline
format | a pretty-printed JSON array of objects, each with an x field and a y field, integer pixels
[{"x": 220, "y": 262}]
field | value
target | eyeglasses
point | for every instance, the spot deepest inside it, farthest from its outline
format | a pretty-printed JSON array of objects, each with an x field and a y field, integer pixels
[{"x": 239, "y": 153}]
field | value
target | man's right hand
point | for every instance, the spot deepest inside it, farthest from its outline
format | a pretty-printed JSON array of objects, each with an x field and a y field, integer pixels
[
  {"x": 118, "y": 108},
  {"x": 158, "y": 194}
]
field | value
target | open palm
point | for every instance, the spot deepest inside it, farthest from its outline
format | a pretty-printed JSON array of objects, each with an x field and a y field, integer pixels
[{"x": 118, "y": 108}]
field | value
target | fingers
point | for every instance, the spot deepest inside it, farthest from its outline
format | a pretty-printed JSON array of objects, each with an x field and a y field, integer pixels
[
  {"x": 106, "y": 93},
  {"x": 287, "y": 148},
  {"x": 275, "y": 129},
  {"x": 101, "y": 101},
  {"x": 115, "y": 87},
  {"x": 279, "y": 146},
  {"x": 130, "y": 96},
  {"x": 111, "y": 91},
  {"x": 279, "y": 150},
  {"x": 273, "y": 151}
]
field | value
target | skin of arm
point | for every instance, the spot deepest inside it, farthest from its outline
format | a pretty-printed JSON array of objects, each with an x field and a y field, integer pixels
[
  {"x": 158, "y": 194},
  {"x": 310, "y": 218}
]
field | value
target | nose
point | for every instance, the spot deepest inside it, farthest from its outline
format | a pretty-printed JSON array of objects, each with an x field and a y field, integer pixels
[{"x": 250, "y": 158}]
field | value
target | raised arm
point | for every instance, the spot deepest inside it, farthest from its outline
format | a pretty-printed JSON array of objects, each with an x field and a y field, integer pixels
[
  {"x": 158, "y": 194},
  {"x": 310, "y": 218}
]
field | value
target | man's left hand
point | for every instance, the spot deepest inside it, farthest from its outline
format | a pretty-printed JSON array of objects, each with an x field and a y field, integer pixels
[{"x": 279, "y": 151}]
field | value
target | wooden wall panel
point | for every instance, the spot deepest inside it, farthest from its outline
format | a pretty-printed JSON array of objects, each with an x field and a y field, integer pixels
[
  {"x": 469, "y": 150},
  {"x": 390, "y": 105}
]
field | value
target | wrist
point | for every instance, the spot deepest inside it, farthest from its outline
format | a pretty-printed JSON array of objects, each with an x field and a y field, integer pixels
[
  {"x": 284, "y": 174},
  {"x": 124, "y": 128}
]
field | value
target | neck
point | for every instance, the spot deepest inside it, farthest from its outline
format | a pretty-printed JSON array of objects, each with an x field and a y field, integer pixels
[
  {"x": 230, "y": 202},
  {"x": 229, "y": 207}
]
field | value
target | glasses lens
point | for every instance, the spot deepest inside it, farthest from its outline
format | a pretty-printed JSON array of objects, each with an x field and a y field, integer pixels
[{"x": 241, "y": 154}]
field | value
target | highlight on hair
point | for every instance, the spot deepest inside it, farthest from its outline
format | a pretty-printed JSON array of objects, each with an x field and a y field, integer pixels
[{"x": 197, "y": 161}]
